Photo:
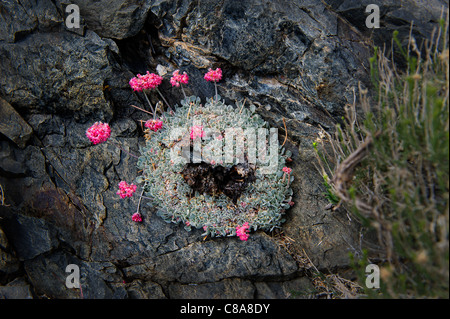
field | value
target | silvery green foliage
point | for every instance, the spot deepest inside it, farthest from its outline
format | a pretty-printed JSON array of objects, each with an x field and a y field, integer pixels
[{"x": 263, "y": 202}]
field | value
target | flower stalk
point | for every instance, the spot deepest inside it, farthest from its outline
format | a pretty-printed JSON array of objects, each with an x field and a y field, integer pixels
[{"x": 214, "y": 76}]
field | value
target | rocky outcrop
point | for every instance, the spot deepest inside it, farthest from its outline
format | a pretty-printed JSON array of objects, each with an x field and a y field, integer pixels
[{"x": 299, "y": 62}]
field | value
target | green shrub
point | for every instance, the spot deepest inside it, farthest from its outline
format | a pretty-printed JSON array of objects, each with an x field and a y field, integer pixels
[{"x": 391, "y": 169}]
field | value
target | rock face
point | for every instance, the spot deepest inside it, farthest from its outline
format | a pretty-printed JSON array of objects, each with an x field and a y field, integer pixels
[
  {"x": 13, "y": 126},
  {"x": 394, "y": 15},
  {"x": 114, "y": 19},
  {"x": 288, "y": 55},
  {"x": 299, "y": 62},
  {"x": 53, "y": 85}
]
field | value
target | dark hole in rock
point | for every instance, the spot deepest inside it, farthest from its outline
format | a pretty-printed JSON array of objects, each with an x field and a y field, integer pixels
[{"x": 213, "y": 180}]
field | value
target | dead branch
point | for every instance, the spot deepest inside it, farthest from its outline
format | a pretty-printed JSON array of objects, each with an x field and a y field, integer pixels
[{"x": 344, "y": 174}]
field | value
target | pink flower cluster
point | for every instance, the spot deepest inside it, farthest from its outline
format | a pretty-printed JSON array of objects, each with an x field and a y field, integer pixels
[
  {"x": 145, "y": 82},
  {"x": 287, "y": 170},
  {"x": 242, "y": 231},
  {"x": 154, "y": 125},
  {"x": 98, "y": 133},
  {"x": 213, "y": 75},
  {"x": 126, "y": 190},
  {"x": 136, "y": 217},
  {"x": 196, "y": 131},
  {"x": 178, "y": 78}
]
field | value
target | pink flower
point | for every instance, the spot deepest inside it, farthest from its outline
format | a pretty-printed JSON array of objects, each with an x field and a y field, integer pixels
[
  {"x": 145, "y": 82},
  {"x": 136, "y": 217},
  {"x": 184, "y": 78},
  {"x": 154, "y": 125},
  {"x": 151, "y": 80},
  {"x": 242, "y": 231},
  {"x": 178, "y": 78},
  {"x": 126, "y": 190},
  {"x": 196, "y": 131},
  {"x": 137, "y": 84},
  {"x": 291, "y": 203},
  {"x": 287, "y": 170},
  {"x": 214, "y": 75},
  {"x": 98, "y": 133}
]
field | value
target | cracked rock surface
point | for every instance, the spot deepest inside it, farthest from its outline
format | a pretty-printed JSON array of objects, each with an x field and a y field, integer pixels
[{"x": 297, "y": 60}]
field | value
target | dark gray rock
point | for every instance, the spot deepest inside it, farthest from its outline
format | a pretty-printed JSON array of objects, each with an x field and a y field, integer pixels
[
  {"x": 67, "y": 80},
  {"x": 12, "y": 125},
  {"x": 48, "y": 275},
  {"x": 32, "y": 237},
  {"x": 8, "y": 261},
  {"x": 287, "y": 53},
  {"x": 139, "y": 289},
  {"x": 19, "y": 18},
  {"x": 16, "y": 289},
  {"x": 14, "y": 21},
  {"x": 47, "y": 124},
  {"x": 114, "y": 19},
  {"x": 224, "y": 289},
  {"x": 214, "y": 260},
  {"x": 394, "y": 16},
  {"x": 327, "y": 237},
  {"x": 299, "y": 288},
  {"x": 38, "y": 210},
  {"x": 8, "y": 162}
]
